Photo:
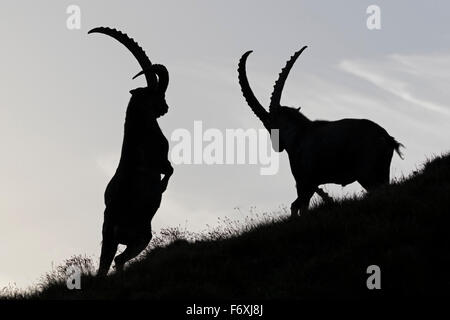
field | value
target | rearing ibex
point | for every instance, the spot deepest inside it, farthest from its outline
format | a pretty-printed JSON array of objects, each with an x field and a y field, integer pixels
[
  {"x": 133, "y": 195},
  {"x": 323, "y": 152}
]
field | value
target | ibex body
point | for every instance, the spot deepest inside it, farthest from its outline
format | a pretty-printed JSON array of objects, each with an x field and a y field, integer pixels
[
  {"x": 323, "y": 152},
  {"x": 133, "y": 195}
]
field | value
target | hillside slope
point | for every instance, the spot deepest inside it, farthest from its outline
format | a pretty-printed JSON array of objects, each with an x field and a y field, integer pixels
[{"x": 403, "y": 228}]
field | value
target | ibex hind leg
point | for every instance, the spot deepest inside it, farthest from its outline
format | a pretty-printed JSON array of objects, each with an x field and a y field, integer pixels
[
  {"x": 133, "y": 250},
  {"x": 109, "y": 249},
  {"x": 109, "y": 243}
]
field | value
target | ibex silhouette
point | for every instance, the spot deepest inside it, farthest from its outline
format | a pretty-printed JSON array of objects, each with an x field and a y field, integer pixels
[
  {"x": 133, "y": 195},
  {"x": 322, "y": 152}
]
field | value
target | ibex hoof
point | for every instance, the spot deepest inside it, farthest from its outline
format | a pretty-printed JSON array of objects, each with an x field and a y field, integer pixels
[
  {"x": 294, "y": 213},
  {"x": 118, "y": 267}
]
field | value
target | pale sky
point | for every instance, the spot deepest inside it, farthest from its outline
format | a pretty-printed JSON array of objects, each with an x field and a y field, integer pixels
[{"x": 64, "y": 94}]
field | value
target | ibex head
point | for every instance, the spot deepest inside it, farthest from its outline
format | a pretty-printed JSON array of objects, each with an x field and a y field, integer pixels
[
  {"x": 156, "y": 75},
  {"x": 286, "y": 119}
]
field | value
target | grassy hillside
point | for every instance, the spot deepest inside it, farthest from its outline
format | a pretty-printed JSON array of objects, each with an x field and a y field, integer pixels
[{"x": 403, "y": 228}]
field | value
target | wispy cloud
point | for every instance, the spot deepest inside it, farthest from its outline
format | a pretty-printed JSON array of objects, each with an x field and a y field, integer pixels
[{"x": 394, "y": 73}]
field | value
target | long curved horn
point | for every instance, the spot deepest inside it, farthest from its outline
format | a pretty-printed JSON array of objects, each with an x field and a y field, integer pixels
[
  {"x": 252, "y": 101},
  {"x": 163, "y": 77},
  {"x": 134, "y": 48},
  {"x": 161, "y": 72},
  {"x": 279, "y": 84}
]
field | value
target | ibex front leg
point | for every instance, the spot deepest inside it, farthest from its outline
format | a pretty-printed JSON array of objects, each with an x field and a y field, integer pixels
[
  {"x": 295, "y": 208},
  {"x": 301, "y": 204}
]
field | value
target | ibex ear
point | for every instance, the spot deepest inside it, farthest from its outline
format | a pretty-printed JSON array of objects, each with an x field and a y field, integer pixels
[
  {"x": 298, "y": 109},
  {"x": 137, "y": 90}
]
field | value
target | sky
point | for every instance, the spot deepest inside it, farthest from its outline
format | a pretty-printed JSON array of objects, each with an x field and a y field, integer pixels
[{"x": 63, "y": 97}]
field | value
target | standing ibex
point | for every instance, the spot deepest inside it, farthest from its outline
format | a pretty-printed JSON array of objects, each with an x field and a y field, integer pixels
[
  {"x": 323, "y": 152},
  {"x": 133, "y": 195}
]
